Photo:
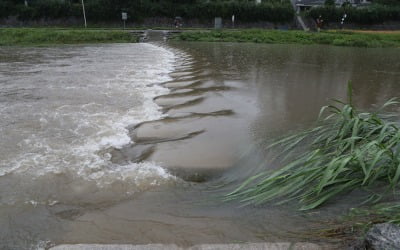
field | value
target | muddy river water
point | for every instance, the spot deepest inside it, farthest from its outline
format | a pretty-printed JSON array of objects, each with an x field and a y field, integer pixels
[{"x": 136, "y": 143}]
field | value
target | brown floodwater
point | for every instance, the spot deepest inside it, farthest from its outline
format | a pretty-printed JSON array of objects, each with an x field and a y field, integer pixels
[{"x": 136, "y": 143}]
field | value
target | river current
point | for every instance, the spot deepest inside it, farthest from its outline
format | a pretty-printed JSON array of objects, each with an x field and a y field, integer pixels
[
  {"x": 62, "y": 108},
  {"x": 66, "y": 110}
]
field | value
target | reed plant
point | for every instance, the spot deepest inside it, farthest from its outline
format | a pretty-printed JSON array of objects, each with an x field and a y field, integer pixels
[{"x": 347, "y": 150}]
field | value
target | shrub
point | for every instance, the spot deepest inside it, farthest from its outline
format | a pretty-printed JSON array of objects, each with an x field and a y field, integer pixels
[
  {"x": 329, "y": 2},
  {"x": 7, "y": 8},
  {"x": 369, "y": 15},
  {"x": 110, "y": 10}
]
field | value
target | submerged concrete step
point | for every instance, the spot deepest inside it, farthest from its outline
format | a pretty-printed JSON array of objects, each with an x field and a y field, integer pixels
[{"x": 251, "y": 246}]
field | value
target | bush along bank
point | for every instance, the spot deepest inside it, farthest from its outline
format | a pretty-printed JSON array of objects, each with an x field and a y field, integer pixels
[
  {"x": 374, "y": 14},
  {"x": 35, "y": 36},
  {"x": 338, "y": 38},
  {"x": 101, "y": 11},
  {"x": 109, "y": 11}
]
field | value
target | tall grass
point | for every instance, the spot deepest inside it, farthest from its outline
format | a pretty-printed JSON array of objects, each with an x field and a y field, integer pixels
[
  {"x": 348, "y": 150},
  {"x": 294, "y": 37},
  {"x": 42, "y": 36}
]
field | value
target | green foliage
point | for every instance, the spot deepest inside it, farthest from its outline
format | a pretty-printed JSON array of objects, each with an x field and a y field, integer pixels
[
  {"x": 370, "y": 15},
  {"x": 297, "y": 37},
  {"x": 61, "y": 36},
  {"x": 7, "y": 8},
  {"x": 44, "y": 9},
  {"x": 387, "y": 2},
  {"x": 110, "y": 10},
  {"x": 329, "y": 3},
  {"x": 244, "y": 11},
  {"x": 348, "y": 150}
]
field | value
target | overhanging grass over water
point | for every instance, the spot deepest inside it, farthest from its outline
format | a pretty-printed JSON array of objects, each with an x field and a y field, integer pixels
[
  {"x": 347, "y": 150},
  {"x": 48, "y": 36},
  {"x": 358, "y": 221},
  {"x": 337, "y": 38},
  {"x": 385, "y": 212}
]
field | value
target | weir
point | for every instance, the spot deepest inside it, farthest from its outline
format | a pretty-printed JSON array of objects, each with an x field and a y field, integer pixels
[
  {"x": 151, "y": 35},
  {"x": 193, "y": 108}
]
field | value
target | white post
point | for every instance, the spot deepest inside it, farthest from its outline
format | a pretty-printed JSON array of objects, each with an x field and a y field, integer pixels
[
  {"x": 84, "y": 14},
  {"x": 124, "y": 16}
]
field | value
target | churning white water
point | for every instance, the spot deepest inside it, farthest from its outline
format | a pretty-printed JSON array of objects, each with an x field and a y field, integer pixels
[{"x": 63, "y": 108}]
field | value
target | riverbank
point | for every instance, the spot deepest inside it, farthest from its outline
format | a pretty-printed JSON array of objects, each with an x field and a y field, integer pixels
[
  {"x": 337, "y": 38},
  {"x": 49, "y": 36},
  {"x": 254, "y": 246}
]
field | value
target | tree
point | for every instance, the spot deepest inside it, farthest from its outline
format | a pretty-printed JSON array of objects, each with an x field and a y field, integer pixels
[{"x": 329, "y": 2}]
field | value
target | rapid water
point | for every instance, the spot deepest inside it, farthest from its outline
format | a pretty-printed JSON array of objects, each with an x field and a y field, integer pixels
[
  {"x": 63, "y": 108},
  {"x": 69, "y": 115}
]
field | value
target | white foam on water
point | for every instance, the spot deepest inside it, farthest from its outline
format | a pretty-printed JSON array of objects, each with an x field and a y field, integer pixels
[{"x": 83, "y": 100}]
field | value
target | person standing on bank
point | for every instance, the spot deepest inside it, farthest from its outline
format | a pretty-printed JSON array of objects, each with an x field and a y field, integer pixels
[{"x": 319, "y": 22}]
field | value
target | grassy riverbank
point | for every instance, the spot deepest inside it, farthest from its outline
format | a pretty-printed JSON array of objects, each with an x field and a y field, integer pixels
[
  {"x": 49, "y": 36},
  {"x": 337, "y": 38}
]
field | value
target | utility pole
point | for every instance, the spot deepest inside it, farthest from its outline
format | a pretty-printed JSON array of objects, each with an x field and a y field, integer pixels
[{"x": 84, "y": 14}]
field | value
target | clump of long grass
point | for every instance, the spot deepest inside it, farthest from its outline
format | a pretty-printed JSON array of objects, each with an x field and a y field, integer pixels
[
  {"x": 352, "y": 39},
  {"x": 347, "y": 150},
  {"x": 49, "y": 36}
]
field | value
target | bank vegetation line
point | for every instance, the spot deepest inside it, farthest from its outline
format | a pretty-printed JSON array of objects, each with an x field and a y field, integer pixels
[
  {"x": 348, "y": 150},
  {"x": 109, "y": 11},
  {"x": 49, "y": 36},
  {"x": 337, "y": 38}
]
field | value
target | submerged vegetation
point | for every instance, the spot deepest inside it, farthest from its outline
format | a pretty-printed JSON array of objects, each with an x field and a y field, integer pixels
[
  {"x": 384, "y": 212},
  {"x": 358, "y": 221},
  {"x": 49, "y": 36},
  {"x": 348, "y": 150},
  {"x": 338, "y": 38}
]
